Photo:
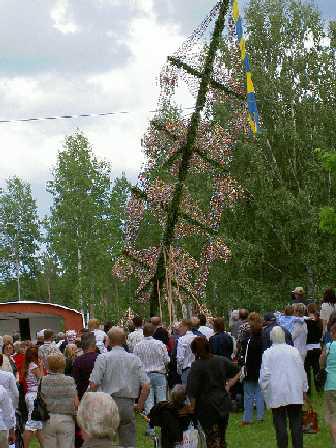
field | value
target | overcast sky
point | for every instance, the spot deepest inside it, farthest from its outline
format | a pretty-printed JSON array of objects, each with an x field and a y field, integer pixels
[{"x": 77, "y": 56}]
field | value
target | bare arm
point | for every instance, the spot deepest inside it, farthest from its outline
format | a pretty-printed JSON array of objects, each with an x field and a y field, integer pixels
[
  {"x": 76, "y": 402},
  {"x": 37, "y": 372},
  {"x": 232, "y": 381},
  {"x": 145, "y": 389},
  {"x": 323, "y": 359}
]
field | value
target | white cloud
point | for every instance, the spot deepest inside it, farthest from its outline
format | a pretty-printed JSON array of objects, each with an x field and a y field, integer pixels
[
  {"x": 30, "y": 149},
  {"x": 71, "y": 56},
  {"x": 60, "y": 16}
]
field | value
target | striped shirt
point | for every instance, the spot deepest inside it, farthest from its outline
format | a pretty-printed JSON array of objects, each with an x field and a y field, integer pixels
[
  {"x": 153, "y": 355},
  {"x": 134, "y": 338}
]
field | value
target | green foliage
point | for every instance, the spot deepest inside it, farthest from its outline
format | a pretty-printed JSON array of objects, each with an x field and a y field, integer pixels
[
  {"x": 19, "y": 231},
  {"x": 328, "y": 214},
  {"x": 327, "y": 158},
  {"x": 274, "y": 229},
  {"x": 328, "y": 220},
  {"x": 85, "y": 229}
]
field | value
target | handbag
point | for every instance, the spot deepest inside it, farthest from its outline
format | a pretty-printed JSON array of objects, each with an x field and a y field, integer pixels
[
  {"x": 243, "y": 371},
  {"x": 321, "y": 376},
  {"x": 190, "y": 438},
  {"x": 310, "y": 422},
  {"x": 40, "y": 412}
]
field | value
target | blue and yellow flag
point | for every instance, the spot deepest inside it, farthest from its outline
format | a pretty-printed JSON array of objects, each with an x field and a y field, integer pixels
[{"x": 253, "y": 116}]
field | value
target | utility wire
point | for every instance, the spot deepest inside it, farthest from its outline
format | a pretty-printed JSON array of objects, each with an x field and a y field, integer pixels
[{"x": 75, "y": 116}]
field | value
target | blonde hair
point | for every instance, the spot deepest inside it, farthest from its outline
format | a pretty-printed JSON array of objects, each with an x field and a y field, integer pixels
[
  {"x": 6, "y": 339},
  {"x": 93, "y": 324},
  {"x": 300, "y": 309},
  {"x": 71, "y": 351},
  {"x": 98, "y": 415},
  {"x": 56, "y": 363}
]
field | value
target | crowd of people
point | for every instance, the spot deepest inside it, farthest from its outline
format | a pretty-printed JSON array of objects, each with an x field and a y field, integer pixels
[{"x": 190, "y": 375}]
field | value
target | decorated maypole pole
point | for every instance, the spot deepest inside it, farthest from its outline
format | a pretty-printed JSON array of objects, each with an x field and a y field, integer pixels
[{"x": 187, "y": 156}]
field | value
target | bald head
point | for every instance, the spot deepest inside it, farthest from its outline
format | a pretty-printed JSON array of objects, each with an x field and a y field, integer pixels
[
  {"x": 116, "y": 336},
  {"x": 156, "y": 321}
]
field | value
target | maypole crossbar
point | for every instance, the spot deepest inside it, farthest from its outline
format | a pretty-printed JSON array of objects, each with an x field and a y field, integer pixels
[{"x": 187, "y": 152}]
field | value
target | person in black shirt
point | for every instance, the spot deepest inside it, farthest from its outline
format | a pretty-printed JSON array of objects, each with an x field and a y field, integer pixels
[
  {"x": 251, "y": 357},
  {"x": 221, "y": 343},
  {"x": 206, "y": 389},
  {"x": 314, "y": 336}
]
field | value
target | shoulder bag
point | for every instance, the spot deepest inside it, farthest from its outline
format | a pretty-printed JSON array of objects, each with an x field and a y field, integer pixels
[{"x": 40, "y": 412}]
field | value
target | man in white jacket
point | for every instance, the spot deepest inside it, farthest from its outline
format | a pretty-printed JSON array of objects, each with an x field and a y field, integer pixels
[{"x": 283, "y": 381}]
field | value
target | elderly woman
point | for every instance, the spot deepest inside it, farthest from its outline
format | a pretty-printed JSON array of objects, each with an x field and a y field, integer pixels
[
  {"x": 98, "y": 417},
  {"x": 283, "y": 381},
  {"x": 328, "y": 361},
  {"x": 60, "y": 395}
]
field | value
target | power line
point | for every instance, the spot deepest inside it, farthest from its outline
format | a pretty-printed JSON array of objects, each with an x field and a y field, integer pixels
[{"x": 76, "y": 116}]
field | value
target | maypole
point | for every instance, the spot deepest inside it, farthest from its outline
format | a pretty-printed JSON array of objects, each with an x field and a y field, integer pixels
[
  {"x": 183, "y": 151},
  {"x": 186, "y": 153}
]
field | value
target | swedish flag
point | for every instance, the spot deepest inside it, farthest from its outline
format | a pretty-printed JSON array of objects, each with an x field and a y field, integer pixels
[{"x": 253, "y": 116}]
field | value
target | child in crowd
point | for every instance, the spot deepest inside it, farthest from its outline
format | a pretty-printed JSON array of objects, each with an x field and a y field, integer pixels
[{"x": 173, "y": 417}]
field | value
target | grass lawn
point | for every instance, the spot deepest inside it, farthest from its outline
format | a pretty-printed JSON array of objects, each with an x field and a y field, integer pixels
[{"x": 253, "y": 436}]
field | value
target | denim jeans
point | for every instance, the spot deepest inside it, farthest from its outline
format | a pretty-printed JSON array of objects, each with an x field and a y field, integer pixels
[
  {"x": 252, "y": 393},
  {"x": 158, "y": 390},
  {"x": 184, "y": 376}
]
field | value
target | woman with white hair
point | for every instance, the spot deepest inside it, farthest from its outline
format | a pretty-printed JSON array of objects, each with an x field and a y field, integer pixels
[
  {"x": 283, "y": 381},
  {"x": 98, "y": 418}
]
